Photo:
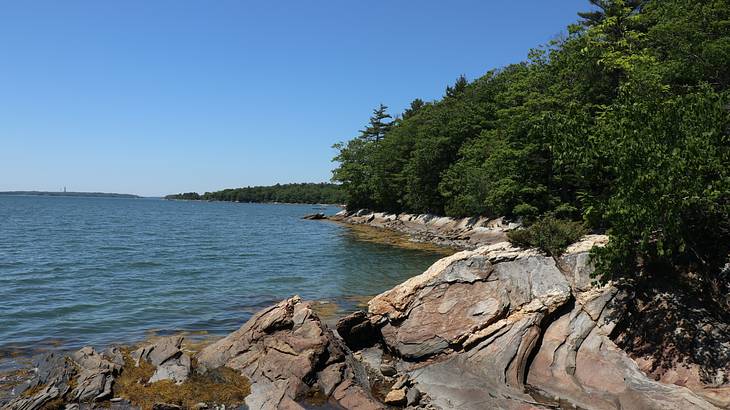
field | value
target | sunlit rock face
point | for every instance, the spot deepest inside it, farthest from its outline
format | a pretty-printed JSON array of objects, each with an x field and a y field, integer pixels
[
  {"x": 287, "y": 354},
  {"x": 501, "y": 327}
]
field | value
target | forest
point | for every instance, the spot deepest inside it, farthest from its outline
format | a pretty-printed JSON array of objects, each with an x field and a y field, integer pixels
[
  {"x": 303, "y": 193},
  {"x": 620, "y": 125}
]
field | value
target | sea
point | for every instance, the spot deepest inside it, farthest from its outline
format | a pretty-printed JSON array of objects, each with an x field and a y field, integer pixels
[{"x": 78, "y": 271}]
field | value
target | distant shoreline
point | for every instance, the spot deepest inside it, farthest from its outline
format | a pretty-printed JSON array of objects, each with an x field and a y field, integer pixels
[
  {"x": 71, "y": 194},
  {"x": 255, "y": 202}
]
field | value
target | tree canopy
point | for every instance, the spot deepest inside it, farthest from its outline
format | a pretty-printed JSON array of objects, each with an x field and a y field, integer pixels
[
  {"x": 304, "y": 193},
  {"x": 622, "y": 123}
]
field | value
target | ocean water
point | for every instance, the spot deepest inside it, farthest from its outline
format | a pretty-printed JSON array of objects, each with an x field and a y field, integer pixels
[{"x": 98, "y": 271}]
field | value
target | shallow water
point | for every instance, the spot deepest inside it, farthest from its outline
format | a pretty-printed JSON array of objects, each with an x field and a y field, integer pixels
[{"x": 78, "y": 271}]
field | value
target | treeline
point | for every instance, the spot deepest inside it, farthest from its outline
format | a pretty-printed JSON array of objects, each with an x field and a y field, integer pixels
[
  {"x": 187, "y": 196},
  {"x": 621, "y": 124},
  {"x": 304, "y": 193}
]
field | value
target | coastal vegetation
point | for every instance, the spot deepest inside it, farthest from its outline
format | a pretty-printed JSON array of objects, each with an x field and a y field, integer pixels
[
  {"x": 304, "y": 193},
  {"x": 620, "y": 124}
]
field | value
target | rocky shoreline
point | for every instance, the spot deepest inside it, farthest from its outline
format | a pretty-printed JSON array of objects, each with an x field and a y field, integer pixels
[
  {"x": 457, "y": 233},
  {"x": 493, "y": 326}
]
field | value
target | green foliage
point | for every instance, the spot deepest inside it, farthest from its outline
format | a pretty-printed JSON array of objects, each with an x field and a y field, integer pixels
[
  {"x": 549, "y": 234},
  {"x": 307, "y": 193},
  {"x": 188, "y": 196},
  {"x": 379, "y": 125},
  {"x": 622, "y": 124}
]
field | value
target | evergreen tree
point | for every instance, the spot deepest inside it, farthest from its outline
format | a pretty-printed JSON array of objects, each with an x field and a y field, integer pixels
[
  {"x": 458, "y": 88},
  {"x": 609, "y": 8},
  {"x": 416, "y": 106},
  {"x": 378, "y": 126},
  {"x": 623, "y": 124}
]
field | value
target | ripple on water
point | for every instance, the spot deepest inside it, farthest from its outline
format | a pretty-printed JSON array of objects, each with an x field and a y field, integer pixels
[{"x": 77, "y": 271}]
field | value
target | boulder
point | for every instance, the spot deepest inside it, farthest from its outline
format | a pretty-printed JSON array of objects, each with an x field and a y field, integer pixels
[
  {"x": 287, "y": 353},
  {"x": 481, "y": 329},
  {"x": 170, "y": 362},
  {"x": 315, "y": 217}
]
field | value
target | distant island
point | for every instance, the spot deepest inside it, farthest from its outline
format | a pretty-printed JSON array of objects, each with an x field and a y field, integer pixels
[
  {"x": 303, "y": 193},
  {"x": 77, "y": 194}
]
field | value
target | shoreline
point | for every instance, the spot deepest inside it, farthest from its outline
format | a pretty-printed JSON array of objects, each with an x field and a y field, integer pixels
[
  {"x": 492, "y": 325},
  {"x": 454, "y": 233}
]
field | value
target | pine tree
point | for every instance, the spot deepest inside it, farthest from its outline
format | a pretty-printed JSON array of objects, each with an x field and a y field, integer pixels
[
  {"x": 609, "y": 8},
  {"x": 378, "y": 126},
  {"x": 458, "y": 88},
  {"x": 416, "y": 105}
]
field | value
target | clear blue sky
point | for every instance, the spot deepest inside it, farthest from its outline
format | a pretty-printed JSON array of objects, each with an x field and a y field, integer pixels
[{"x": 156, "y": 97}]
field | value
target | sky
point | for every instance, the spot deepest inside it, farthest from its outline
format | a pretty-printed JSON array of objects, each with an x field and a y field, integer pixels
[{"x": 159, "y": 97}]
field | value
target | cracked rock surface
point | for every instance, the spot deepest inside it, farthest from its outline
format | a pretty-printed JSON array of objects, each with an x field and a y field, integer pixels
[
  {"x": 500, "y": 327},
  {"x": 92, "y": 374},
  {"x": 288, "y": 354}
]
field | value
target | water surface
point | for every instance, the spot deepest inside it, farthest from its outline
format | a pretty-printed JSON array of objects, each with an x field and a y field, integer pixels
[{"x": 78, "y": 271}]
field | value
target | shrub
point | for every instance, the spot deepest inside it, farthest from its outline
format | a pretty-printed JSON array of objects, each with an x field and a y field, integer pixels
[{"x": 549, "y": 234}]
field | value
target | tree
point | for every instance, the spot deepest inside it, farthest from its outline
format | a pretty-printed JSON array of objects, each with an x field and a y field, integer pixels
[
  {"x": 416, "y": 106},
  {"x": 626, "y": 111},
  {"x": 608, "y": 9},
  {"x": 378, "y": 126},
  {"x": 458, "y": 87}
]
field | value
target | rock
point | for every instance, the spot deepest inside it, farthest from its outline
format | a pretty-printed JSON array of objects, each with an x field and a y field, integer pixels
[
  {"x": 53, "y": 370},
  {"x": 314, "y": 217},
  {"x": 165, "y": 406},
  {"x": 157, "y": 353},
  {"x": 34, "y": 402},
  {"x": 330, "y": 377},
  {"x": 92, "y": 373},
  {"x": 96, "y": 376},
  {"x": 177, "y": 370},
  {"x": 401, "y": 382},
  {"x": 170, "y": 362},
  {"x": 396, "y": 397},
  {"x": 413, "y": 396},
  {"x": 464, "y": 233},
  {"x": 388, "y": 370},
  {"x": 357, "y": 331},
  {"x": 285, "y": 351},
  {"x": 464, "y": 294},
  {"x": 479, "y": 324}
]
